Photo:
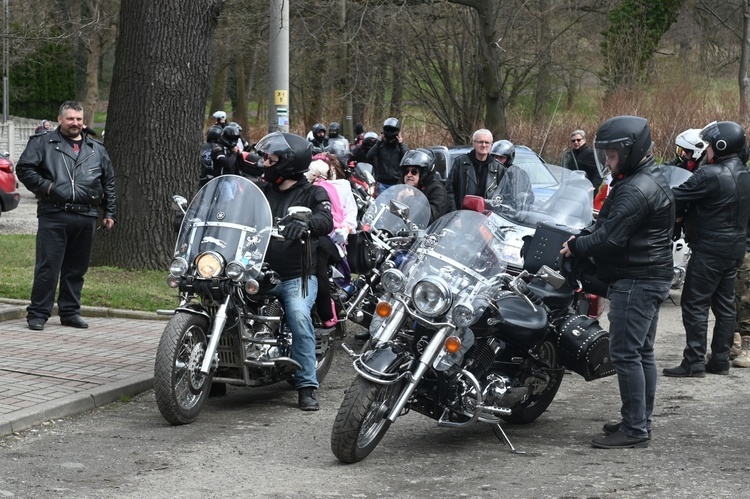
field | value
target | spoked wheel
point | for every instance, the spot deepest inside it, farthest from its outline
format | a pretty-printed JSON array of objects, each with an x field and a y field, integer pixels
[
  {"x": 361, "y": 421},
  {"x": 538, "y": 403},
  {"x": 180, "y": 388}
]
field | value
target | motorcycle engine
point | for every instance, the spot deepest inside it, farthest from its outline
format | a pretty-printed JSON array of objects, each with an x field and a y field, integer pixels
[{"x": 258, "y": 345}]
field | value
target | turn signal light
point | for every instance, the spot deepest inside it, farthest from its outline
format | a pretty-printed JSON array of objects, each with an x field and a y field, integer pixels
[
  {"x": 383, "y": 309},
  {"x": 452, "y": 344}
]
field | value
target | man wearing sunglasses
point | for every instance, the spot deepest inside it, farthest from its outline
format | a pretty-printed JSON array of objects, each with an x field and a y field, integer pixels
[
  {"x": 418, "y": 169},
  {"x": 581, "y": 157}
]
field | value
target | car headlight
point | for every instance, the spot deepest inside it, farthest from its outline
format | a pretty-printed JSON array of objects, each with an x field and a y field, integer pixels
[
  {"x": 209, "y": 264},
  {"x": 431, "y": 296},
  {"x": 178, "y": 267},
  {"x": 235, "y": 270},
  {"x": 392, "y": 280}
]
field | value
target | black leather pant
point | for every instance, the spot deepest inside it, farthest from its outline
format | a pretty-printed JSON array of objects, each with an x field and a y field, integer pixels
[
  {"x": 63, "y": 250},
  {"x": 709, "y": 283}
]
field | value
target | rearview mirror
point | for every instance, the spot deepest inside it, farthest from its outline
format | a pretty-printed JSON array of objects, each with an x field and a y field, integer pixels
[
  {"x": 401, "y": 210},
  {"x": 179, "y": 203}
]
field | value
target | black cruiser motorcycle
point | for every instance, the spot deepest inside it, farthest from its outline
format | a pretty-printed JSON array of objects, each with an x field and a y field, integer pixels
[
  {"x": 462, "y": 340},
  {"x": 228, "y": 327}
]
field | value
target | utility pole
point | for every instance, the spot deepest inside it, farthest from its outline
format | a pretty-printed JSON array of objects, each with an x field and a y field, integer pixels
[{"x": 278, "y": 113}]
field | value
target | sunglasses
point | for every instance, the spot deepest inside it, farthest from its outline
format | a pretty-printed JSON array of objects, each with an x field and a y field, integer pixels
[
  {"x": 576, "y": 140},
  {"x": 268, "y": 161},
  {"x": 411, "y": 171}
]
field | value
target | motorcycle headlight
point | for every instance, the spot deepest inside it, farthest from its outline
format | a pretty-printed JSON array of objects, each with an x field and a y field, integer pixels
[
  {"x": 431, "y": 296},
  {"x": 235, "y": 270},
  {"x": 392, "y": 280},
  {"x": 463, "y": 315},
  {"x": 209, "y": 264},
  {"x": 178, "y": 267}
]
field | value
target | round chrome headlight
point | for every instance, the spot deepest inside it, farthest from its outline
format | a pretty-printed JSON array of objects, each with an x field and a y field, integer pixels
[
  {"x": 178, "y": 267},
  {"x": 209, "y": 264},
  {"x": 235, "y": 270},
  {"x": 463, "y": 315},
  {"x": 392, "y": 280},
  {"x": 431, "y": 296}
]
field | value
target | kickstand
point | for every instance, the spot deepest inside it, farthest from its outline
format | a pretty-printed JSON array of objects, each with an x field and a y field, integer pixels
[
  {"x": 500, "y": 434},
  {"x": 671, "y": 298}
]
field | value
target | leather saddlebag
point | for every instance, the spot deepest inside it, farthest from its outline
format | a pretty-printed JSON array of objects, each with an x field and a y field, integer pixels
[{"x": 584, "y": 347}]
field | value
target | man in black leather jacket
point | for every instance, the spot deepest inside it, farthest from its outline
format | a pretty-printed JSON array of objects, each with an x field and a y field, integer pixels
[
  {"x": 286, "y": 157},
  {"x": 73, "y": 177},
  {"x": 385, "y": 156},
  {"x": 715, "y": 202},
  {"x": 631, "y": 246},
  {"x": 476, "y": 173},
  {"x": 418, "y": 167}
]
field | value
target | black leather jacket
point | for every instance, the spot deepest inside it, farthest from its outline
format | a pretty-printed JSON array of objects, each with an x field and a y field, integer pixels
[
  {"x": 632, "y": 238},
  {"x": 385, "y": 158},
  {"x": 80, "y": 183},
  {"x": 284, "y": 256},
  {"x": 462, "y": 180},
  {"x": 716, "y": 203}
]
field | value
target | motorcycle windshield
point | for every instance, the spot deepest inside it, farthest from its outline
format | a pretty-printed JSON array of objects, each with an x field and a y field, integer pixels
[
  {"x": 229, "y": 216},
  {"x": 378, "y": 215},
  {"x": 675, "y": 175},
  {"x": 463, "y": 248},
  {"x": 569, "y": 203}
]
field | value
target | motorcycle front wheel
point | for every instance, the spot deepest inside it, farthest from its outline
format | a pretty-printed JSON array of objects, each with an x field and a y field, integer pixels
[
  {"x": 536, "y": 404},
  {"x": 180, "y": 388},
  {"x": 361, "y": 421}
]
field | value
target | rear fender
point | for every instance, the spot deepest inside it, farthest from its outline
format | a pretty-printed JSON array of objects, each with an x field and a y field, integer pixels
[{"x": 385, "y": 364}]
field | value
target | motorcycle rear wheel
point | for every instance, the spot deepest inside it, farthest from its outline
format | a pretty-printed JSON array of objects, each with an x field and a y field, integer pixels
[
  {"x": 537, "y": 404},
  {"x": 361, "y": 421},
  {"x": 180, "y": 390}
]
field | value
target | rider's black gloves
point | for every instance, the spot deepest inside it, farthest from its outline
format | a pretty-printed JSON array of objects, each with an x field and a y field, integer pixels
[
  {"x": 677, "y": 232},
  {"x": 295, "y": 229}
]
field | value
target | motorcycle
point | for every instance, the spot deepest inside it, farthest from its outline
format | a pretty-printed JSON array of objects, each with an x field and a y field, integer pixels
[
  {"x": 526, "y": 206},
  {"x": 388, "y": 227},
  {"x": 462, "y": 340},
  {"x": 229, "y": 327},
  {"x": 680, "y": 251}
]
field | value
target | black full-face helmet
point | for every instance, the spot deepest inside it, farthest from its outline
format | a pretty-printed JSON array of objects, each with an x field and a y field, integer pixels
[
  {"x": 423, "y": 159},
  {"x": 319, "y": 131},
  {"x": 391, "y": 127},
  {"x": 294, "y": 153},
  {"x": 334, "y": 129},
  {"x": 724, "y": 137},
  {"x": 504, "y": 148},
  {"x": 230, "y": 135},
  {"x": 630, "y": 136},
  {"x": 213, "y": 133}
]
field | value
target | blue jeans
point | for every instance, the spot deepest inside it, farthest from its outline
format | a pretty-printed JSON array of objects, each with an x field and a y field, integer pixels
[
  {"x": 633, "y": 316},
  {"x": 297, "y": 314}
]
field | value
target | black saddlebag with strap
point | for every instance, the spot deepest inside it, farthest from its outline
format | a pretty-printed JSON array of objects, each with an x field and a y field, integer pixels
[{"x": 584, "y": 347}]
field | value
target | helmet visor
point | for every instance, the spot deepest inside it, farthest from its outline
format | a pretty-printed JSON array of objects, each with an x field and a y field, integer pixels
[{"x": 274, "y": 144}]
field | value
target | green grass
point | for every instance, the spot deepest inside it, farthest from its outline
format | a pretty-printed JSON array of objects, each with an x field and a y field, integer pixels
[{"x": 104, "y": 286}]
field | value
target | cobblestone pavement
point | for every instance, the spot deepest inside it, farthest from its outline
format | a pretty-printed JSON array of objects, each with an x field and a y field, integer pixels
[{"x": 62, "y": 371}]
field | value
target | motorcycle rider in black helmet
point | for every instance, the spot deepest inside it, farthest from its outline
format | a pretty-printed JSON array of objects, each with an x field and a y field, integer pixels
[
  {"x": 207, "y": 167},
  {"x": 418, "y": 168},
  {"x": 715, "y": 204},
  {"x": 336, "y": 140},
  {"x": 385, "y": 156},
  {"x": 286, "y": 157},
  {"x": 224, "y": 156},
  {"x": 631, "y": 246},
  {"x": 319, "y": 140},
  {"x": 514, "y": 184},
  {"x": 359, "y": 152}
]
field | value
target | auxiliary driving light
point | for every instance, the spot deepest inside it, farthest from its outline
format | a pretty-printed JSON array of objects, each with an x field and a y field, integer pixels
[
  {"x": 173, "y": 281},
  {"x": 178, "y": 267}
]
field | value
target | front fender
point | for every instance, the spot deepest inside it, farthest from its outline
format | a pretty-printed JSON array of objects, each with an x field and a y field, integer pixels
[
  {"x": 384, "y": 364},
  {"x": 194, "y": 309}
]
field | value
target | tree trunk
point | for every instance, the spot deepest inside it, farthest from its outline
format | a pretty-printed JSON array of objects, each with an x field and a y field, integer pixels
[
  {"x": 744, "y": 79},
  {"x": 91, "y": 98},
  {"x": 494, "y": 117},
  {"x": 162, "y": 81}
]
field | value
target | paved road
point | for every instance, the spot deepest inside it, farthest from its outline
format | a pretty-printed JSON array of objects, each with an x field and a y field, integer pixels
[{"x": 254, "y": 442}]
